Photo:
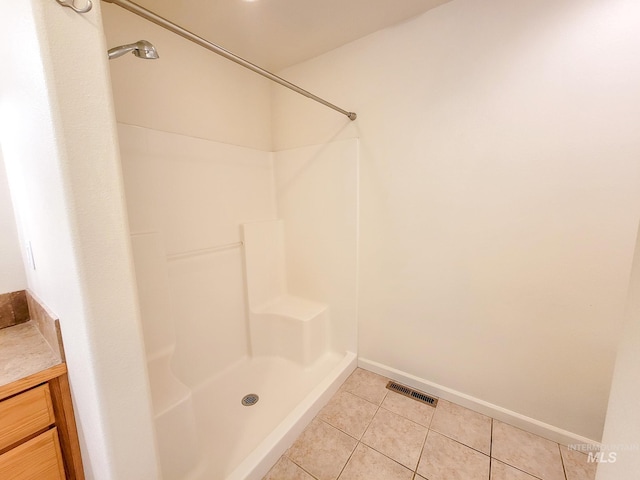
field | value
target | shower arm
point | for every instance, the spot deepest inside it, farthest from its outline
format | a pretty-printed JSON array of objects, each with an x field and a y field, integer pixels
[{"x": 172, "y": 27}]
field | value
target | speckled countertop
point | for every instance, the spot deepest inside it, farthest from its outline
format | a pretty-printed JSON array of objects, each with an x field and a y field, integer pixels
[{"x": 23, "y": 352}]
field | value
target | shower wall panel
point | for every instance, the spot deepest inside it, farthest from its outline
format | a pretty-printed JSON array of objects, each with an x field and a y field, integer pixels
[
  {"x": 317, "y": 197},
  {"x": 209, "y": 314},
  {"x": 193, "y": 194}
]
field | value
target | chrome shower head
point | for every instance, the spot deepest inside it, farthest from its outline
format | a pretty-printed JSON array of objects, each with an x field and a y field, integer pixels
[{"x": 141, "y": 49}]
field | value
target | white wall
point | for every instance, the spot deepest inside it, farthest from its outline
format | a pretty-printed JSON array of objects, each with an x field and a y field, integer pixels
[
  {"x": 12, "y": 277},
  {"x": 190, "y": 90},
  {"x": 499, "y": 194},
  {"x": 59, "y": 143},
  {"x": 622, "y": 427}
]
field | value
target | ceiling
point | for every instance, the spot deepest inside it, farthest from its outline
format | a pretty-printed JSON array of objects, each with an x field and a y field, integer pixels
[{"x": 277, "y": 33}]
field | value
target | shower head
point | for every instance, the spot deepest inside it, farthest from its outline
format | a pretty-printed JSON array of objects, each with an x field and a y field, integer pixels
[{"x": 141, "y": 49}]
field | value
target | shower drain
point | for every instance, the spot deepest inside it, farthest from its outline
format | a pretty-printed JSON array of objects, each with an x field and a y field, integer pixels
[{"x": 250, "y": 400}]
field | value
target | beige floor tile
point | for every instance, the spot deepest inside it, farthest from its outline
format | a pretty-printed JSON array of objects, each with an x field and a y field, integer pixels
[
  {"x": 396, "y": 437},
  {"x": 368, "y": 385},
  {"x": 412, "y": 409},
  {"x": 322, "y": 450},
  {"x": 463, "y": 425},
  {"x": 446, "y": 459},
  {"x": 349, "y": 413},
  {"x": 577, "y": 466},
  {"x": 285, "y": 469},
  {"x": 533, "y": 454},
  {"x": 367, "y": 464},
  {"x": 502, "y": 471}
]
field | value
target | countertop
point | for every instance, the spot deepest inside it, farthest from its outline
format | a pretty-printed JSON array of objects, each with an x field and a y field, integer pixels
[{"x": 24, "y": 352}]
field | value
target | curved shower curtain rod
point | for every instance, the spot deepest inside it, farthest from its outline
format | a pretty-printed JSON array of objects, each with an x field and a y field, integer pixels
[{"x": 172, "y": 27}]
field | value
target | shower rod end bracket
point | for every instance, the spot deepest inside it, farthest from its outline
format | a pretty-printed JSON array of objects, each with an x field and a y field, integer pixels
[
  {"x": 72, "y": 6},
  {"x": 352, "y": 116}
]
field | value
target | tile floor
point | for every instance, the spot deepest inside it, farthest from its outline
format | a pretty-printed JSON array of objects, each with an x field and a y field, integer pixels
[{"x": 367, "y": 432}]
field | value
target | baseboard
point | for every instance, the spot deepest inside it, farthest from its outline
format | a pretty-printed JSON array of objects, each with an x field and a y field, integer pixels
[{"x": 523, "y": 422}]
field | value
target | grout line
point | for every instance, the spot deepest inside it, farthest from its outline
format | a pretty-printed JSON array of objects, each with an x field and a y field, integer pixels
[
  {"x": 388, "y": 457},
  {"x": 403, "y": 417},
  {"x": 491, "y": 439},
  {"x": 518, "y": 469},
  {"x": 366, "y": 399},
  {"x": 348, "y": 460},
  {"x": 303, "y": 469},
  {"x": 284, "y": 455},
  {"x": 462, "y": 443},
  {"x": 564, "y": 469},
  {"x": 515, "y": 468},
  {"x": 424, "y": 444},
  {"x": 435, "y": 409},
  {"x": 337, "y": 428},
  {"x": 491, "y": 450},
  {"x": 371, "y": 421}
]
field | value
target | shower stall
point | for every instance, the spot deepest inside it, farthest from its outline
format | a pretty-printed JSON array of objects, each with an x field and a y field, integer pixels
[{"x": 246, "y": 264}]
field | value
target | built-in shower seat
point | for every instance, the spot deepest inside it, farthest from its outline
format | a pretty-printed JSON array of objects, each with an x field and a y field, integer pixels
[{"x": 280, "y": 323}]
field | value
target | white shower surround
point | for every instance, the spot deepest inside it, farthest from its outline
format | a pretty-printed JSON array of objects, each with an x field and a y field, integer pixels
[{"x": 203, "y": 294}]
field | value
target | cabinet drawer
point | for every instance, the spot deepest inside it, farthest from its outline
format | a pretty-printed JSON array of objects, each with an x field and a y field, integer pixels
[
  {"x": 24, "y": 415},
  {"x": 37, "y": 459}
]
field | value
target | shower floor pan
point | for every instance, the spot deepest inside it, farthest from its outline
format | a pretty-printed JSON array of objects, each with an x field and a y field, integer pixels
[{"x": 241, "y": 442}]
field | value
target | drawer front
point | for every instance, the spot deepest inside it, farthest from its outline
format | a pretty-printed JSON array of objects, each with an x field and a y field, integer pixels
[
  {"x": 37, "y": 459},
  {"x": 24, "y": 415}
]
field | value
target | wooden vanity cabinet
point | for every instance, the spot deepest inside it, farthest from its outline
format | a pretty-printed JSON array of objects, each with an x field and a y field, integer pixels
[{"x": 38, "y": 438}]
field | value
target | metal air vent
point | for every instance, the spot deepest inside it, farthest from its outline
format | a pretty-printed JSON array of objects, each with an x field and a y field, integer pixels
[{"x": 411, "y": 393}]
